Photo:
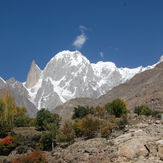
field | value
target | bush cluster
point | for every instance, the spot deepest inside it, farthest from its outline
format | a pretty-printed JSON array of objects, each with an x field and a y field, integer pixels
[
  {"x": 98, "y": 120},
  {"x": 145, "y": 110},
  {"x": 36, "y": 156},
  {"x": 117, "y": 107},
  {"x": 6, "y": 145}
]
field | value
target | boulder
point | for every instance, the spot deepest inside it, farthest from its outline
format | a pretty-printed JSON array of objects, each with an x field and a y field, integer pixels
[
  {"x": 132, "y": 148},
  {"x": 160, "y": 149}
]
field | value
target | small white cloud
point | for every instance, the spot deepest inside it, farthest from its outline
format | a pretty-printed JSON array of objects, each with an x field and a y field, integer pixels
[
  {"x": 101, "y": 54},
  {"x": 80, "y": 39}
]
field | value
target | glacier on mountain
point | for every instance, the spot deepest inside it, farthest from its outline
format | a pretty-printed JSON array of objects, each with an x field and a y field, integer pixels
[{"x": 70, "y": 75}]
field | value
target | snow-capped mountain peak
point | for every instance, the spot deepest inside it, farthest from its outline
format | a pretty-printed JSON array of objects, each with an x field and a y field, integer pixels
[
  {"x": 69, "y": 75},
  {"x": 74, "y": 57},
  {"x": 161, "y": 59}
]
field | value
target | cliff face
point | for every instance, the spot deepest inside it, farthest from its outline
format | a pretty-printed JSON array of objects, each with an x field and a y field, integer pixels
[{"x": 33, "y": 75}]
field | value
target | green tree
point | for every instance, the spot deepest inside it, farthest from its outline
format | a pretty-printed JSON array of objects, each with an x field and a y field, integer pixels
[
  {"x": 117, "y": 107},
  {"x": 81, "y": 111},
  {"x": 44, "y": 117},
  {"x": 52, "y": 131},
  {"x": 49, "y": 123},
  {"x": 21, "y": 119}
]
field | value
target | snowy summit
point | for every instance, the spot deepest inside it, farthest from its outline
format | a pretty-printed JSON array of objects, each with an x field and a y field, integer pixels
[{"x": 70, "y": 75}]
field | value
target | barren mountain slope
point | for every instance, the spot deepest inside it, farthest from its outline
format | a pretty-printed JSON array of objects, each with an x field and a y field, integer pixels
[{"x": 144, "y": 88}]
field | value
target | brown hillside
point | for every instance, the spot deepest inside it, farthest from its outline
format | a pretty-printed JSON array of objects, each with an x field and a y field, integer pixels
[{"x": 145, "y": 88}]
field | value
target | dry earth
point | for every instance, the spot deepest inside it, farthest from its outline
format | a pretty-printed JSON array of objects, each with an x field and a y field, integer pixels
[{"x": 139, "y": 142}]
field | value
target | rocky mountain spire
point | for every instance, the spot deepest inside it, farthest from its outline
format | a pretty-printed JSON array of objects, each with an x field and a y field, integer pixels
[{"x": 33, "y": 75}]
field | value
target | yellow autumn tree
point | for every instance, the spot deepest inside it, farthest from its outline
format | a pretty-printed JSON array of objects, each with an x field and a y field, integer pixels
[{"x": 9, "y": 107}]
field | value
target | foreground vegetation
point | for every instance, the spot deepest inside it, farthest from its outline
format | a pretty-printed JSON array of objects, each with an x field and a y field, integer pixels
[{"x": 45, "y": 132}]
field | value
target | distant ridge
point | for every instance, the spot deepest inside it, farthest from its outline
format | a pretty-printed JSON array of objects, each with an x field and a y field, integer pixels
[
  {"x": 68, "y": 75},
  {"x": 143, "y": 89}
]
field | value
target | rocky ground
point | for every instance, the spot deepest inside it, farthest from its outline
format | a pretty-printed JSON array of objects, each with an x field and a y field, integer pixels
[{"x": 141, "y": 142}]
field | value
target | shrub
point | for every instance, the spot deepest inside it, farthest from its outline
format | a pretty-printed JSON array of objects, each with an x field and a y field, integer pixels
[
  {"x": 66, "y": 132},
  {"x": 137, "y": 110},
  {"x": 117, "y": 107},
  {"x": 80, "y": 112},
  {"x": 122, "y": 122},
  {"x": 22, "y": 149},
  {"x": 46, "y": 142},
  {"x": 18, "y": 140},
  {"x": 143, "y": 110},
  {"x": 6, "y": 145},
  {"x": 36, "y": 156},
  {"x": 156, "y": 113},
  {"x": 62, "y": 138},
  {"x": 32, "y": 141},
  {"x": 33, "y": 122},
  {"x": 5, "y": 128},
  {"x": 89, "y": 126},
  {"x": 99, "y": 111},
  {"x": 105, "y": 128},
  {"x": 77, "y": 127}
]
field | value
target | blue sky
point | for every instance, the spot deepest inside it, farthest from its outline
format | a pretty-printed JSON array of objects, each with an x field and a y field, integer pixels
[{"x": 126, "y": 32}]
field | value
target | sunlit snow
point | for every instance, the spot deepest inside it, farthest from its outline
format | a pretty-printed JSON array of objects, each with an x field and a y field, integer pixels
[{"x": 78, "y": 67}]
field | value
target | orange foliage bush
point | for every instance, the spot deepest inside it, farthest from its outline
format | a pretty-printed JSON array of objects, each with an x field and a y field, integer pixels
[
  {"x": 7, "y": 140},
  {"x": 36, "y": 156},
  {"x": 6, "y": 145}
]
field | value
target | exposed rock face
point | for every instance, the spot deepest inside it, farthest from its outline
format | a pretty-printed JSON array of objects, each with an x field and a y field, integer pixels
[{"x": 33, "y": 75}]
